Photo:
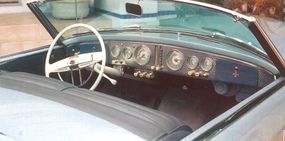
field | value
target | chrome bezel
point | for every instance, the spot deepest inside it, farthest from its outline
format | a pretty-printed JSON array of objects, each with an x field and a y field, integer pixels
[
  {"x": 127, "y": 55},
  {"x": 113, "y": 54},
  {"x": 206, "y": 68},
  {"x": 190, "y": 65},
  {"x": 169, "y": 59},
  {"x": 138, "y": 58}
]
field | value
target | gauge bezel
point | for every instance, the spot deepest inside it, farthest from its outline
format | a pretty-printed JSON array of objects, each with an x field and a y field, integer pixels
[
  {"x": 204, "y": 68},
  {"x": 127, "y": 57},
  {"x": 189, "y": 64},
  {"x": 138, "y": 59},
  {"x": 172, "y": 66},
  {"x": 112, "y": 52}
]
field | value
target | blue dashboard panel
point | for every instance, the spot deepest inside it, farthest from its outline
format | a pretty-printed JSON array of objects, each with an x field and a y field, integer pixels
[
  {"x": 236, "y": 73},
  {"x": 89, "y": 47}
]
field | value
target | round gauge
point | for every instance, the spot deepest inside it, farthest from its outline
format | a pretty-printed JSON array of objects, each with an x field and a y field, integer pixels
[
  {"x": 175, "y": 60},
  {"x": 127, "y": 53},
  {"x": 116, "y": 51},
  {"x": 207, "y": 64},
  {"x": 192, "y": 62},
  {"x": 142, "y": 55}
]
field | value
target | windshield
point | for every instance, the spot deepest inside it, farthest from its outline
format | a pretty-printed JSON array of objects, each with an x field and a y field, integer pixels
[{"x": 173, "y": 16}]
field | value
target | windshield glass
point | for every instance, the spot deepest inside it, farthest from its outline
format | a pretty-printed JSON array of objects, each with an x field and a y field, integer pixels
[{"x": 173, "y": 16}]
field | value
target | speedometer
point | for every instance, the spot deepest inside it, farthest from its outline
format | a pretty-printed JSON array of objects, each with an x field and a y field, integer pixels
[
  {"x": 142, "y": 55},
  {"x": 175, "y": 60}
]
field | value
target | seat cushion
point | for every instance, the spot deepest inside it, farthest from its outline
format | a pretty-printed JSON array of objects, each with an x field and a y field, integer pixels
[{"x": 145, "y": 122}]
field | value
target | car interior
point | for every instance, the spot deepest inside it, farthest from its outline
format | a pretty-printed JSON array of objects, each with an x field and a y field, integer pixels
[
  {"x": 193, "y": 97},
  {"x": 190, "y": 78}
]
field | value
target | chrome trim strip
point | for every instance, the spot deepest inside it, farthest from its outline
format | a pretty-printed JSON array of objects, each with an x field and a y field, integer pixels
[{"x": 248, "y": 18}]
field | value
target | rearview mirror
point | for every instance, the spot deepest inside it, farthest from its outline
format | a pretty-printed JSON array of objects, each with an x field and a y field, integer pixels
[{"x": 134, "y": 9}]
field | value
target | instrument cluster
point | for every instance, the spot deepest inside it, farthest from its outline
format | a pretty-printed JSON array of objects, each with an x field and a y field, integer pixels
[
  {"x": 148, "y": 58},
  {"x": 189, "y": 62},
  {"x": 175, "y": 60},
  {"x": 200, "y": 67},
  {"x": 130, "y": 54}
]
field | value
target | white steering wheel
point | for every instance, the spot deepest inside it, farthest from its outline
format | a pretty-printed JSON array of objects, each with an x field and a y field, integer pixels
[{"x": 78, "y": 61}]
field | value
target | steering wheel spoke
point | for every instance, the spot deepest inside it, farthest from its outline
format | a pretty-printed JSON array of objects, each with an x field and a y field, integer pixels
[
  {"x": 59, "y": 66},
  {"x": 88, "y": 59},
  {"x": 75, "y": 62}
]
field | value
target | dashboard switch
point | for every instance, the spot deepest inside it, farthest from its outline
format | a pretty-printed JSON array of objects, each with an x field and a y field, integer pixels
[
  {"x": 206, "y": 74},
  {"x": 191, "y": 73},
  {"x": 143, "y": 74},
  {"x": 150, "y": 75},
  {"x": 197, "y": 74},
  {"x": 136, "y": 74},
  {"x": 157, "y": 68}
]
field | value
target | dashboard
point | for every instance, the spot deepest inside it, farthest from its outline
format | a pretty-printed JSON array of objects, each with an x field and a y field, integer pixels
[{"x": 147, "y": 59}]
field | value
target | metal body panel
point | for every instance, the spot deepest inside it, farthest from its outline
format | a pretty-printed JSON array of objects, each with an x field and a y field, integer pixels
[
  {"x": 212, "y": 129},
  {"x": 264, "y": 123}
]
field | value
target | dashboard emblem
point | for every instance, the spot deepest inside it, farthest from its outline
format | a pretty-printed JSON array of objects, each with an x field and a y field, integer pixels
[{"x": 236, "y": 72}]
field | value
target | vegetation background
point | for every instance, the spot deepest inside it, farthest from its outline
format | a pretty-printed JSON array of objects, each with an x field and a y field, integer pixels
[{"x": 267, "y": 8}]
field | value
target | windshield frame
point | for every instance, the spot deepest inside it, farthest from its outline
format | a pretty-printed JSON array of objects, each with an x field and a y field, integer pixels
[{"x": 34, "y": 6}]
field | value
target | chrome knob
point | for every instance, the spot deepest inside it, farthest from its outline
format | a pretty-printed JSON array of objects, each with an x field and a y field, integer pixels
[
  {"x": 149, "y": 75},
  {"x": 143, "y": 74},
  {"x": 136, "y": 74},
  {"x": 191, "y": 73}
]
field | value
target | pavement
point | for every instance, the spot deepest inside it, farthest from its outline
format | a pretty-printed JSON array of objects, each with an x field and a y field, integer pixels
[{"x": 21, "y": 31}]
